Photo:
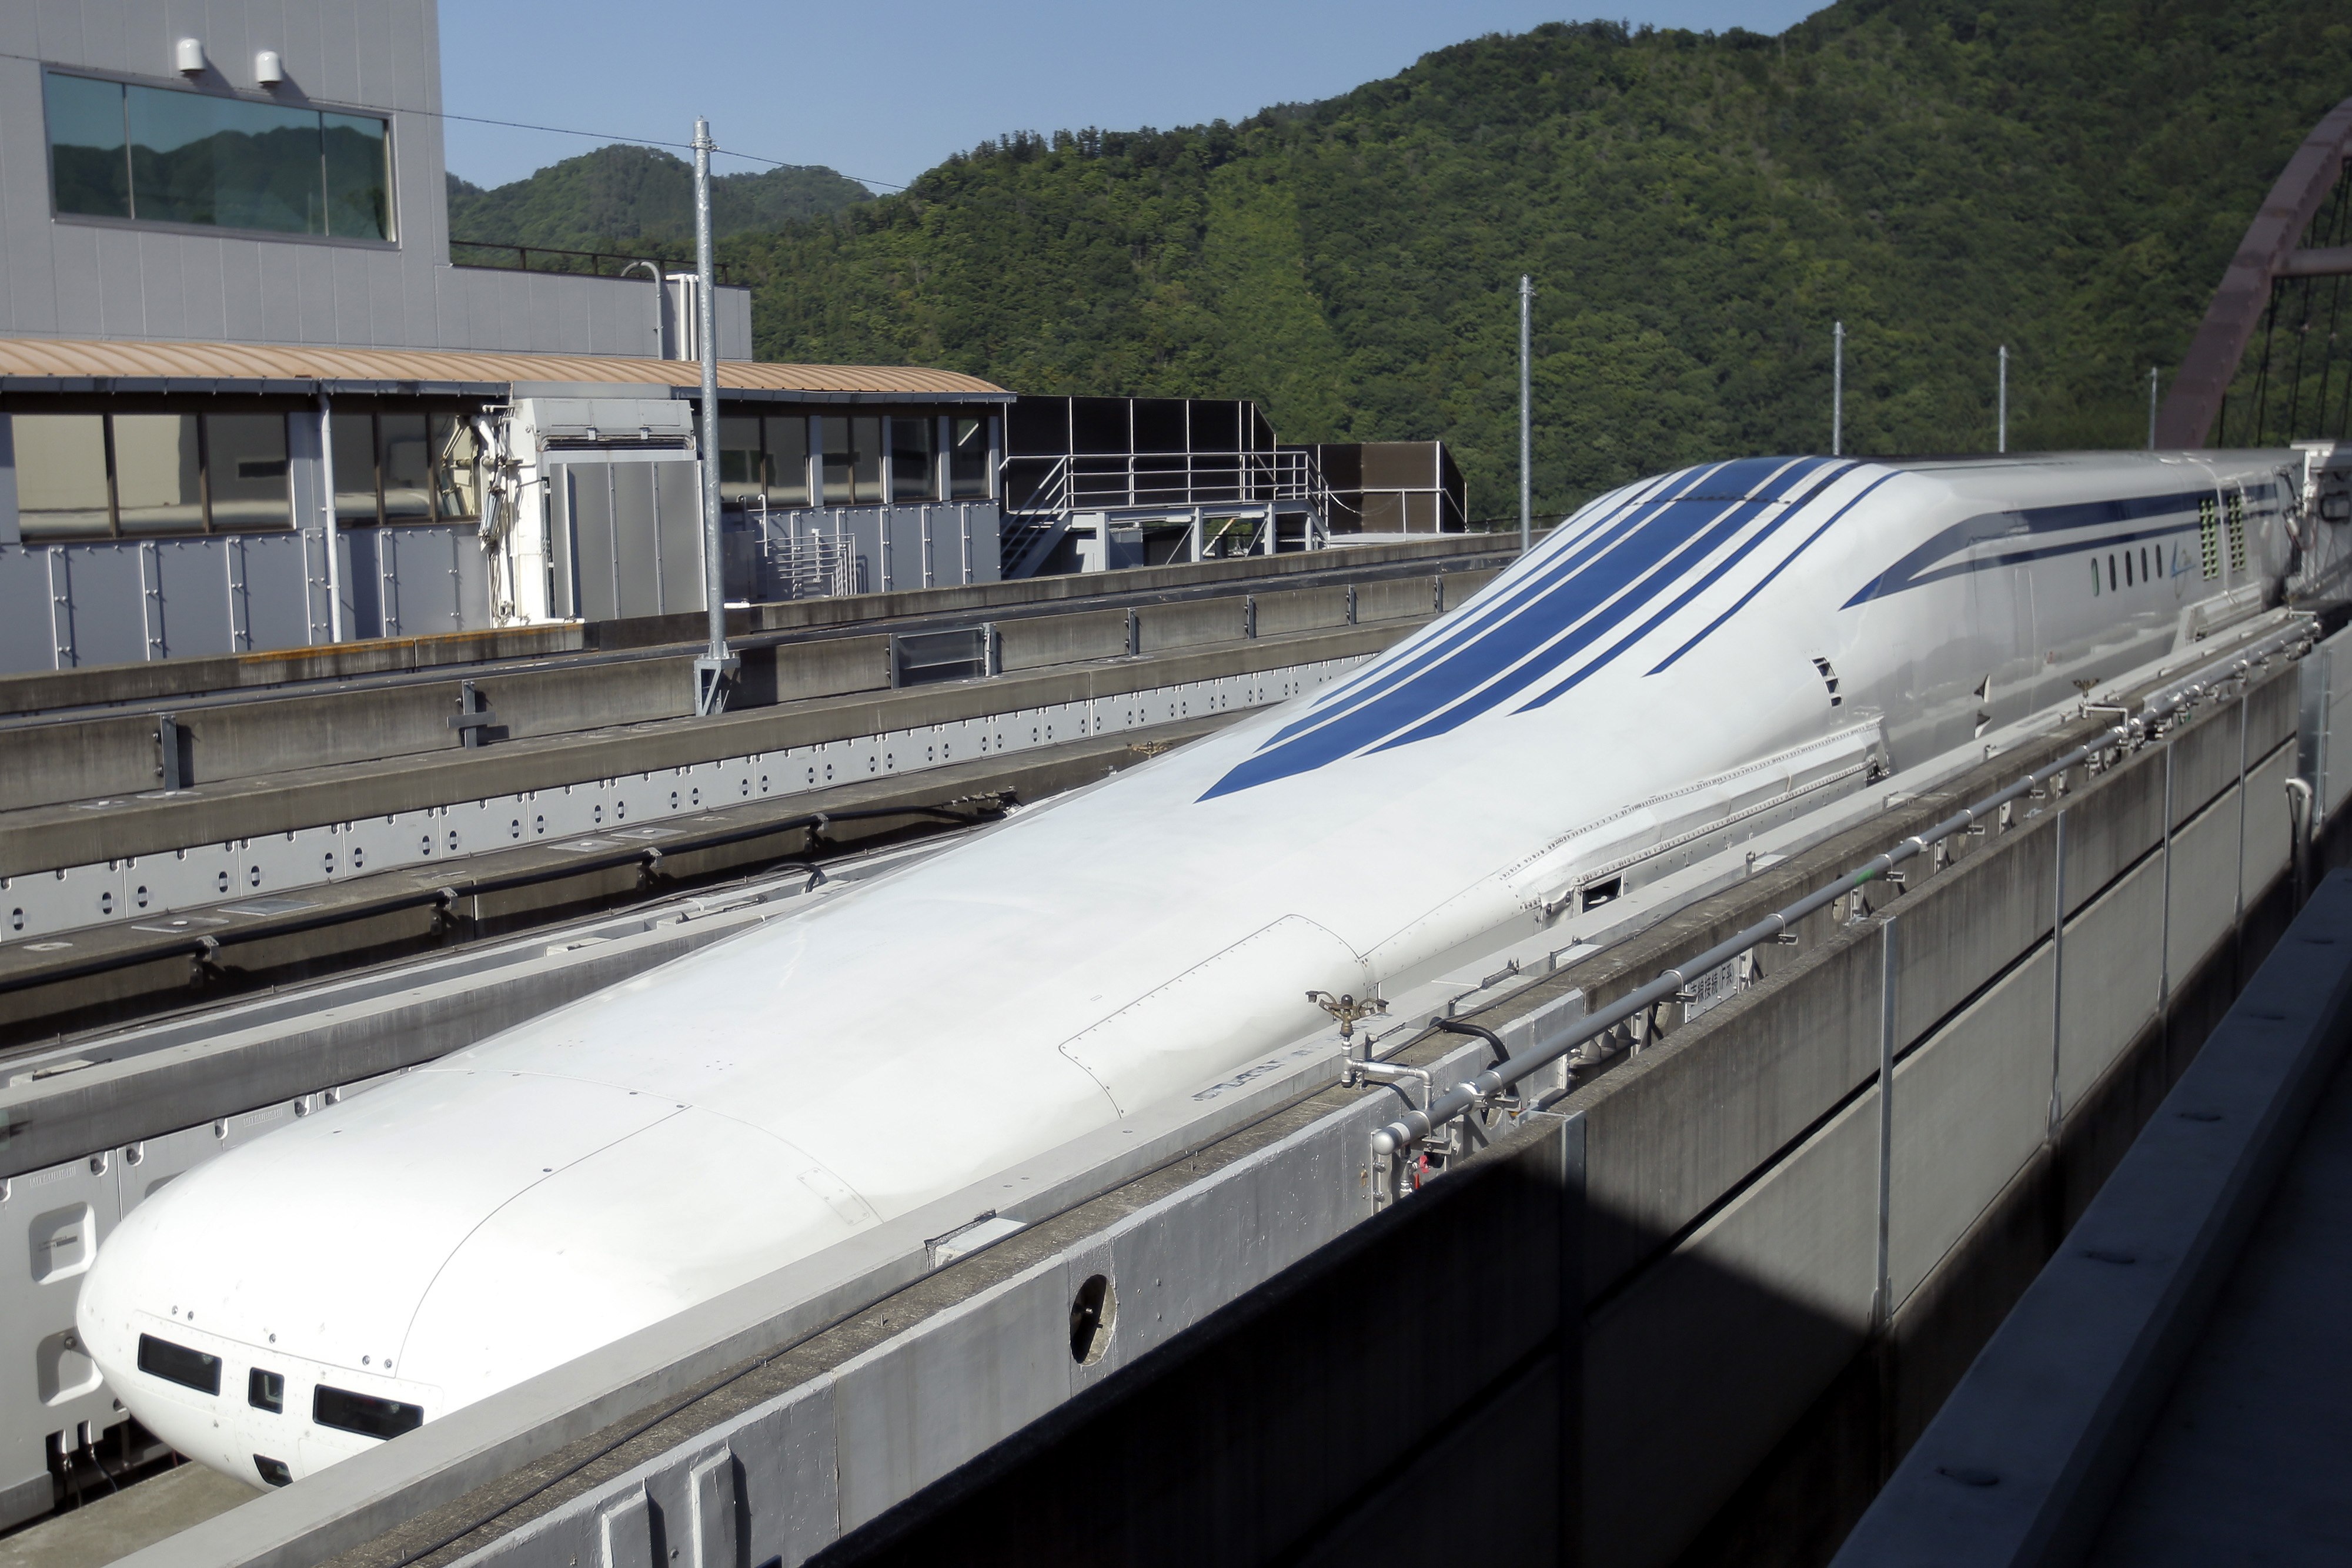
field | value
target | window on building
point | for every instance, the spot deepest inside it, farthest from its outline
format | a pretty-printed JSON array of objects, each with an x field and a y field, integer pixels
[
  {"x": 967, "y": 459},
  {"x": 154, "y": 154},
  {"x": 742, "y": 462},
  {"x": 787, "y": 438},
  {"x": 353, "y": 436},
  {"x": 405, "y": 458},
  {"x": 406, "y": 465},
  {"x": 245, "y": 467},
  {"x": 764, "y": 455},
  {"x": 839, "y": 461},
  {"x": 61, "y": 489},
  {"x": 912, "y": 478},
  {"x": 865, "y": 450},
  {"x": 158, "y": 473},
  {"x": 143, "y": 475},
  {"x": 853, "y": 459}
]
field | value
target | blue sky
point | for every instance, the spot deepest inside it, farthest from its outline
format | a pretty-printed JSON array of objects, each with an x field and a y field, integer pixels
[{"x": 885, "y": 92}]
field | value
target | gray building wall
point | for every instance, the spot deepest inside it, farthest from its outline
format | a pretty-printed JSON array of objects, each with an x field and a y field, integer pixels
[{"x": 67, "y": 277}]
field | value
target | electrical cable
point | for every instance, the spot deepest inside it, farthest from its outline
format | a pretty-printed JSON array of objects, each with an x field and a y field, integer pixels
[{"x": 563, "y": 131}]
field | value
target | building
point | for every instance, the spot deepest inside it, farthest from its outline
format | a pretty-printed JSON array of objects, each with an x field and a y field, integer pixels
[{"x": 247, "y": 401}]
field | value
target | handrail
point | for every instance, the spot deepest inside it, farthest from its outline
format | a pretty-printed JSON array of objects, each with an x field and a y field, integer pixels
[
  {"x": 1283, "y": 474},
  {"x": 2131, "y": 731},
  {"x": 595, "y": 258}
]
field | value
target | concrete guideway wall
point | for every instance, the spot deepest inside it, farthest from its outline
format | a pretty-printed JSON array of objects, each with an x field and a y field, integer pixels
[
  {"x": 1732, "y": 1168},
  {"x": 64, "y": 868},
  {"x": 114, "y": 755},
  {"x": 1726, "y": 1249},
  {"x": 2051, "y": 1420},
  {"x": 51, "y": 691},
  {"x": 1983, "y": 1092}
]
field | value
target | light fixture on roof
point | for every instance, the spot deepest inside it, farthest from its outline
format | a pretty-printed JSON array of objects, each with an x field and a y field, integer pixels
[
  {"x": 188, "y": 54},
  {"x": 267, "y": 69}
]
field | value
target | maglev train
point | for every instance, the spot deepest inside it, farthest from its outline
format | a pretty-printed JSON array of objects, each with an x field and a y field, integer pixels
[{"x": 520, "y": 1202}]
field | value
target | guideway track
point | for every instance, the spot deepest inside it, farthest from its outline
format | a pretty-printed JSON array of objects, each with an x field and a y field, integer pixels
[
  {"x": 130, "y": 970},
  {"x": 40, "y": 700}
]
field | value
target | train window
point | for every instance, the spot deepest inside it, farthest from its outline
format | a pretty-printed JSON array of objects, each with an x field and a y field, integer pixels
[
  {"x": 178, "y": 1364},
  {"x": 265, "y": 1390},
  {"x": 2127, "y": 566},
  {"x": 274, "y": 1471},
  {"x": 2111, "y": 573},
  {"x": 363, "y": 1413}
]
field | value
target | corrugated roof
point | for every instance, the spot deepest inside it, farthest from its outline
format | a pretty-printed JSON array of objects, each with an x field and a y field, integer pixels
[{"x": 60, "y": 359}]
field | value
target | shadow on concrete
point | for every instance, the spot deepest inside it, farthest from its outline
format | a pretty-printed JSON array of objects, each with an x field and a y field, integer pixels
[{"x": 1417, "y": 1389}]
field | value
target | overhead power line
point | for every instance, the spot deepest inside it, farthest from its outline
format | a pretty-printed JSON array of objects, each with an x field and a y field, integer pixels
[{"x": 568, "y": 131}]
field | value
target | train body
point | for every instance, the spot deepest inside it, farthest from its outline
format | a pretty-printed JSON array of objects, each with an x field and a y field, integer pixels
[{"x": 527, "y": 1199}]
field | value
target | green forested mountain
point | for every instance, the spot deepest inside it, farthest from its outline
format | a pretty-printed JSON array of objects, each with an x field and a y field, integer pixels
[
  {"x": 2065, "y": 176},
  {"x": 637, "y": 197}
]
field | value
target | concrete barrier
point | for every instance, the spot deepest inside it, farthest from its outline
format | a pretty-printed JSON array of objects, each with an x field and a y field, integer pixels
[
  {"x": 39, "y": 838},
  {"x": 2019, "y": 1465},
  {"x": 1800, "y": 1209},
  {"x": 1043, "y": 640},
  {"x": 101, "y": 755}
]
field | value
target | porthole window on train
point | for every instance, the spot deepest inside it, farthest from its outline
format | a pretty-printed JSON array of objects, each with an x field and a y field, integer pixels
[
  {"x": 2094, "y": 579},
  {"x": 178, "y": 1364},
  {"x": 266, "y": 1390},
  {"x": 2111, "y": 573},
  {"x": 2127, "y": 568},
  {"x": 363, "y": 1412}
]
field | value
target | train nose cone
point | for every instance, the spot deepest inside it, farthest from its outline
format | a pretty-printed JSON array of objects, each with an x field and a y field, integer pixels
[
  {"x": 426, "y": 1244},
  {"x": 110, "y": 1316},
  {"x": 259, "y": 1306}
]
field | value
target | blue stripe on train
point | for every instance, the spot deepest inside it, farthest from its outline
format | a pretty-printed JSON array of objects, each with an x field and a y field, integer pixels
[{"x": 1539, "y": 625}]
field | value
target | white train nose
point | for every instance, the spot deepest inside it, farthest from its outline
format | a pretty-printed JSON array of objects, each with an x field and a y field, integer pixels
[{"x": 424, "y": 1244}]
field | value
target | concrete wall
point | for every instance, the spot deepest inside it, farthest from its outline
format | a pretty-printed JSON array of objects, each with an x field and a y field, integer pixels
[
  {"x": 1729, "y": 1264},
  {"x": 1696, "y": 1361}
]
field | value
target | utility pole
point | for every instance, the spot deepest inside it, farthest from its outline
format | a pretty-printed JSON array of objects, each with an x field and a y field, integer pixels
[
  {"x": 1837, "y": 390},
  {"x": 2151, "y": 408},
  {"x": 2001, "y": 433},
  {"x": 1527, "y": 448},
  {"x": 715, "y": 668}
]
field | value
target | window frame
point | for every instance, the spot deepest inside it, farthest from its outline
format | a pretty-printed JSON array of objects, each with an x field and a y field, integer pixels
[
  {"x": 374, "y": 409},
  {"x": 105, "y": 408},
  {"x": 158, "y": 226}
]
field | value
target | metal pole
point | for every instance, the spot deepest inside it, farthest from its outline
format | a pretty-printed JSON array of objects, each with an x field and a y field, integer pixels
[
  {"x": 327, "y": 515},
  {"x": 2151, "y": 408},
  {"x": 1526, "y": 457},
  {"x": 2058, "y": 982},
  {"x": 1882, "y": 1296},
  {"x": 2001, "y": 435},
  {"x": 717, "y": 668},
  {"x": 1837, "y": 390}
]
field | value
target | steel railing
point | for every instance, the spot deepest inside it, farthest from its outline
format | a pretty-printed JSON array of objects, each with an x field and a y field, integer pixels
[
  {"x": 1137, "y": 480},
  {"x": 555, "y": 259}
]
